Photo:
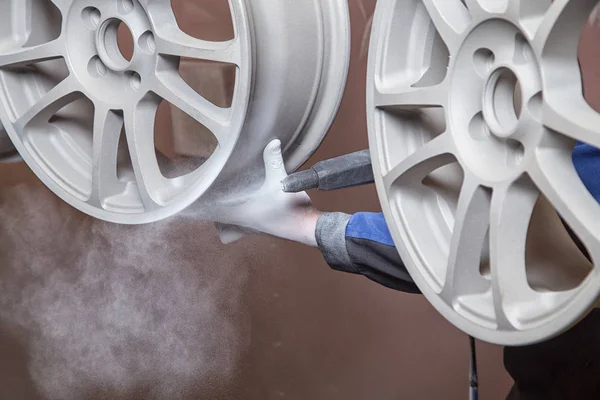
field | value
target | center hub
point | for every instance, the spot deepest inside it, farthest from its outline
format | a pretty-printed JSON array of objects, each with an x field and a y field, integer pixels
[
  {"x": 494, "y": 76},
  {"x": 107, "y": 43},
  {"x": 112, "y": 51}
]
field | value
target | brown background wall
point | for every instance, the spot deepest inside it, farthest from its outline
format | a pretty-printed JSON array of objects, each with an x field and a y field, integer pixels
[{"x": 314, "y": 333}]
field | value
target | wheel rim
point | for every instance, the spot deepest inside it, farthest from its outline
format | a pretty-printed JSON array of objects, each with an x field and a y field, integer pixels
[
  {"x": 335, "y": 20},
  {"x": 124, "y": 94},
  {"x": 484, "y": 99},
  {"x": 298, "y": 83}
]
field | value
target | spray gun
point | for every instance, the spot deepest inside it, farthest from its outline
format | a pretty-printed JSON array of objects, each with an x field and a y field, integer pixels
[
  {"x": 341, "y": 172},
  {"x": 337, "y": 173}
]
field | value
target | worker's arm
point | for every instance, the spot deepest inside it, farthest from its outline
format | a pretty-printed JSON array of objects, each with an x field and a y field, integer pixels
[
  {"x": 362, "y": 244},
  {"x": 359, "y": 244}
]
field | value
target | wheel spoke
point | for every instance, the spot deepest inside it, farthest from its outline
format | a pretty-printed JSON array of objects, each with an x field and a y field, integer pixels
[
  {"x": 139, "y": 129},
  {"x": 565, "y": 110},
  {"x": 547, "y": 24},
  {"x": 573, "y": 117},
  {"x": 412, "y": 98},
  {"x": 529, "y": 9},
  {"x": 530, "y": 13},
  {"x": 479, "y": 7},
  {"x": 179, "y": 44},
  {"x": 561, "y": 27},
  {"x": 451, "y": 19},
  {"x": 34, "y": 54},
  {"x": 474, "y": 6},
  {"x": 64, "y": 93},
  {"x": 512, "y": 207},
  {"x": 471, "y": 223},
  {"x": 555, "y": 175},
  {"x": 433, "y": 155},
  {"x": 171, "y": 40},
  {"x": 172, "y": 88},
  {"x": 107, "y": 131}
]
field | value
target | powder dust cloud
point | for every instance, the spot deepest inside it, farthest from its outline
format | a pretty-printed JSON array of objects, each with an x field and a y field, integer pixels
[{"x": 105, "y": 311}]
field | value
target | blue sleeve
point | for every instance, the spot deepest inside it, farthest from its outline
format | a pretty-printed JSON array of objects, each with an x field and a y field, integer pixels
[
  {"x": 369, "y": 226},
  {"x": 373, "y": 227},
  {"x": 586, "y": 160},
  {"x": 362, "y": 244}
]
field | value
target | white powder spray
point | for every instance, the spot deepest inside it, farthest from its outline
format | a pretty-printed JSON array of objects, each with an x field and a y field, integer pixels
[{"x": 117, "y": 312}]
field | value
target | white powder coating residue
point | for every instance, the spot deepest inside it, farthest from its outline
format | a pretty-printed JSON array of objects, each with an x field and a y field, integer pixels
[{"x": 119, "y": 312}]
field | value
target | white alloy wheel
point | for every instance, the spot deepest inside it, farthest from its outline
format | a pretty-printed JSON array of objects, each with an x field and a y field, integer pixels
[
  {"x": 82, "y": 114},
  {"x": 474, "y": 109}
]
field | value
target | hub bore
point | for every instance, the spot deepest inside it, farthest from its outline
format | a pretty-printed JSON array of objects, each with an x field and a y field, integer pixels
[
  {"x": 108, "y": 45},
  {"x": 500, "y": 99}
]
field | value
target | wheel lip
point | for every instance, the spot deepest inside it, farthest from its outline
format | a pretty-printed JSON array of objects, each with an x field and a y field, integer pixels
[
  {"x": 317, "y": 46},
  {"x": 563, "y": 319},
  {"x": 239, "y": 14},
  {"x": 334, "y": 77}
]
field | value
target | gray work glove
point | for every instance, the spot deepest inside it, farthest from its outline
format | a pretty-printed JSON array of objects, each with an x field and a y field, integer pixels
[{"x": 270, "y": 210}]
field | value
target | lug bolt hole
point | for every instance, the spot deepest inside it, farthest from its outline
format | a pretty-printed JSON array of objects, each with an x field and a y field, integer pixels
[
  {"x": 135, "y": 80},
  {"x": 535, "y": 107},
  {"x": 96, "y": 67},
  {"x": 484, "y": 60},
  {"x": 91, "y": 17},
  {"x": 147, "y": 43},
  {"x": 523, "y": 52},
  {"x": 126, "y": 6},
  {"x": 478, "y": 129},
  {"x": 515, "y": 154}
]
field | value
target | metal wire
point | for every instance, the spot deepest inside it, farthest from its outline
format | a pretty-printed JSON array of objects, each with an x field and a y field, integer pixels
[{"x": 473, "y": 377}]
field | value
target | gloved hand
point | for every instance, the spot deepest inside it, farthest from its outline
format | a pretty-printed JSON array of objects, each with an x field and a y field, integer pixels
[{"x": 270, "y": 210}]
